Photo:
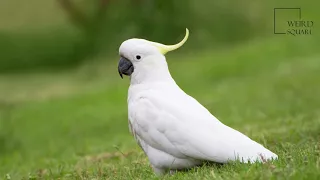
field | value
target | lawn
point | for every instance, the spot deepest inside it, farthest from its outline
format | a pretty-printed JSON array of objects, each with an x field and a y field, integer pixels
[{"x": 72, "y": 124}]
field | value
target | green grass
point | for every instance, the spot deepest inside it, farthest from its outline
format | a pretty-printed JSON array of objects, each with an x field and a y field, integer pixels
[{"x": 73, "y": 124}]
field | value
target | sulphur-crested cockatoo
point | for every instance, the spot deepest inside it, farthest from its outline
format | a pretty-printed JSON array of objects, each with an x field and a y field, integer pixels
[{"x": 174, "y": 130}]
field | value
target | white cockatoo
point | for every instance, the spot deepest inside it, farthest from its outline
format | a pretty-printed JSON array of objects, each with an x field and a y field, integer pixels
[{"x": 173, "y": 129}]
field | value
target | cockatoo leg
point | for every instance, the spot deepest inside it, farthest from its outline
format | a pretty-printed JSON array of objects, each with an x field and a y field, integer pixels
[{"x": 159, "y": 171}]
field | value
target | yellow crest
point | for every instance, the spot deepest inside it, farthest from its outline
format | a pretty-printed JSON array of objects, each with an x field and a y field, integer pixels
[{"x": 166, "y": 48}]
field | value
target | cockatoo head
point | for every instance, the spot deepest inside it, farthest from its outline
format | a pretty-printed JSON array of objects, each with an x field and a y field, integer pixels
[{"x": 142, "y": 58}]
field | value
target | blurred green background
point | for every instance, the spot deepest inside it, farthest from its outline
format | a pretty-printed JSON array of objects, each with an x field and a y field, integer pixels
[{"x": 62, "y": 101}]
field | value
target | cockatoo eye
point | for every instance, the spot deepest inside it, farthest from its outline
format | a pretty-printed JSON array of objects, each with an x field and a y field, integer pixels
[{"x": 138, "y": 57}]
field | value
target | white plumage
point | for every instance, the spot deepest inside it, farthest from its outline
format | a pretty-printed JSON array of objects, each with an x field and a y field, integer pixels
[{"x": 174, "y": 130}]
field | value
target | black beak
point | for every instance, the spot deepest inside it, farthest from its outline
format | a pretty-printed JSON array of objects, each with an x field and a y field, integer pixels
[{"x": 125, "y": 67}]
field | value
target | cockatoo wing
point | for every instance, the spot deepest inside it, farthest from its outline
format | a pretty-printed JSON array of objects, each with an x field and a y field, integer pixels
[{"x": 173, "y": 122}]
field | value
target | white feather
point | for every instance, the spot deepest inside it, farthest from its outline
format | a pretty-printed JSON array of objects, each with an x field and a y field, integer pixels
[
  {"x": 170, "y": 121},
  {"x": 175, "y": 130}
]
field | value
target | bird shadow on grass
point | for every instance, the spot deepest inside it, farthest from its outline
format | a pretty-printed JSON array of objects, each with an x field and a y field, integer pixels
[
  {"x": 205, "y": 164},
  {"x": 228, "y": 167}
]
